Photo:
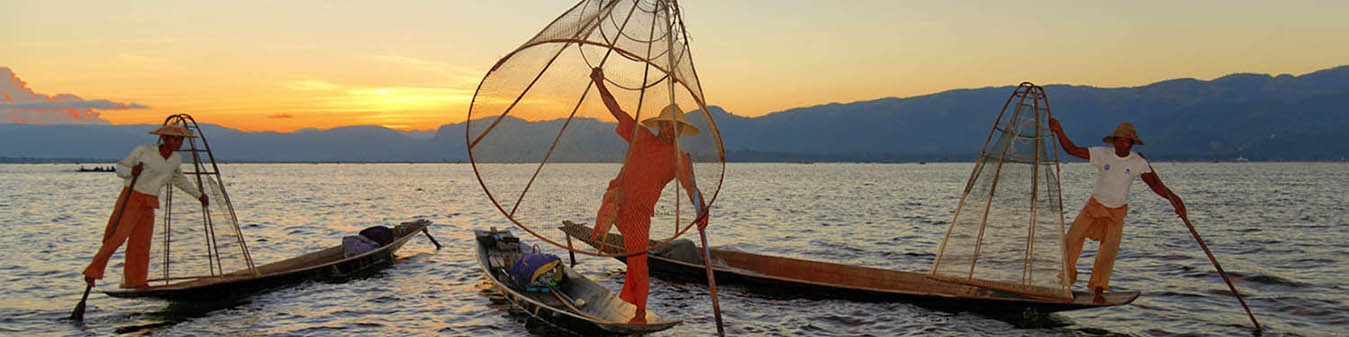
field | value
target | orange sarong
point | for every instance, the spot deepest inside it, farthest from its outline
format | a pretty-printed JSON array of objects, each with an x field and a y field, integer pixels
[
  {"x": 636, "y": 282},
  {"x": 630, "y": 201},
  {"x": 137, "y": 223},
  {"x": 1100, "y": 223}
]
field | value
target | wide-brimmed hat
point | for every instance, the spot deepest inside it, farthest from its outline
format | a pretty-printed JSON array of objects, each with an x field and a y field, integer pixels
[
  {"x": 1124, "y": 130},
  {"x": 672, "y": 113},
  {"x": 173, "y": 130}
]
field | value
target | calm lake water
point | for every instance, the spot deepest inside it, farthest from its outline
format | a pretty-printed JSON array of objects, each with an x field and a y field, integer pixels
[{"x": 1272, "y": 225}]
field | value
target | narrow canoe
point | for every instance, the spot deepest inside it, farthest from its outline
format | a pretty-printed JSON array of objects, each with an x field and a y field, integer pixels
[
  {"x": 327, "y": 264},
  {"x": 780, "y": 276},
  {"x": 577, "y": 304}
]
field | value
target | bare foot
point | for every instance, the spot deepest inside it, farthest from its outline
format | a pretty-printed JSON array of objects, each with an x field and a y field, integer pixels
[
  {"x": 639, "y": 318},
  {"x": 1099, "y": 295}
]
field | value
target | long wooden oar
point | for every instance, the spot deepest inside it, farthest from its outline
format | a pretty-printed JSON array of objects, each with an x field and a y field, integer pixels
[
  {"x": 428, "y": 236},
  {"x": 711, "y": 283},
  {"x": 78, "y": 313},
  {"x": 1221, "y": 272}
]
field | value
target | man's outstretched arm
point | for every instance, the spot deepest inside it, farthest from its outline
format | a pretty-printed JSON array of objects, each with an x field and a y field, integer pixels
[
  {"x": 597, "y": 76},
  {"x": 1155, "y": 183},
  {"x": 1068, "y": 146}
]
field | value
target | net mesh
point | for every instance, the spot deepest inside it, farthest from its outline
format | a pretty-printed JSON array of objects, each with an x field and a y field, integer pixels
[
  {"x": 542, "y": 142},
  {"x": 194, "y": 241},
  {"x": 1008, "y": 228}
]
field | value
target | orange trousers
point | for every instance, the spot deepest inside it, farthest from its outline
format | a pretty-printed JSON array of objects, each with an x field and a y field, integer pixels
[
  {"x": 636, "y": 284},
  {"x": 1099, "y": 223},
  {"x": 137, "y": 224}
]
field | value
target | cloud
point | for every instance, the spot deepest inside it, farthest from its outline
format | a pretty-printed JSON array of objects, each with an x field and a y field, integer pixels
[
  {"x": 281, "y": 116},
  {"x": 21, "y": 105}
]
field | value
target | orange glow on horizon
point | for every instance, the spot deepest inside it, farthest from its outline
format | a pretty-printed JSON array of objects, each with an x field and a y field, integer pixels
[{"x": 416, "y": 65}]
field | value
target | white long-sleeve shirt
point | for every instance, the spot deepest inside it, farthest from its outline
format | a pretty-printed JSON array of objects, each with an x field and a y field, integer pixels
[{"x": 158, "y": 171}]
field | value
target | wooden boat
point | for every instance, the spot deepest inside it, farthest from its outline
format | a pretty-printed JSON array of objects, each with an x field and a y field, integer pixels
[
  {"x": 780, "y": 276},
  {"x": 328, "y": 263},
  {"x": 577, "y": 304}
]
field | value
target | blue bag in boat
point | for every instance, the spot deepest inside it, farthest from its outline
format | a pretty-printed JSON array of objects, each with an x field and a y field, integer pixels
[
  {"x": 379, "y": 234},
  {"x": 536, "y": 272},
  {"x": 353, "y": 245}
]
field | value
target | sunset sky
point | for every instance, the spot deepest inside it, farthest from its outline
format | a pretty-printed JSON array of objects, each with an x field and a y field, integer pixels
[{"x": 413, "y": 65}]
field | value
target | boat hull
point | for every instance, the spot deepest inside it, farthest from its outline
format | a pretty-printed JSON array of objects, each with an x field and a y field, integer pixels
[
  {"x": 326, "y": 264},
  {"x": 798, "y": 278}
]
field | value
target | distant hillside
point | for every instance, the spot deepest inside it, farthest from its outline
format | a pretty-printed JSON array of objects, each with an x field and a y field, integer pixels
[{"x": 1259, "y": 117}]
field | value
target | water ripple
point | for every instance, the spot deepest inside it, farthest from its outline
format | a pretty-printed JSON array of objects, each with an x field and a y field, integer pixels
[{"x": 1275, "y": 234}]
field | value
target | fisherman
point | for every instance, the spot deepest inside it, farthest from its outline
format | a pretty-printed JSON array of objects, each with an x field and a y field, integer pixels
[
  {"x": 630, "y": 199},
  {"x": 151, "y": 167},
  {"x": 1102, "y": 218}
]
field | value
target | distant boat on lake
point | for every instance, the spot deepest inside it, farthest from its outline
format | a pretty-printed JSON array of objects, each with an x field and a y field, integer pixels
[{"x": 108, "y": 168}]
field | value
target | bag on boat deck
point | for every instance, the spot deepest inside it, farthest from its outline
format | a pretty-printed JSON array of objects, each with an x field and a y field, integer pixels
[
  {"x": 680, "y": 250},
  {"x": 380, "y": 234},
  {"x": 536, "y": 272},
  {"x": 353, "y": 245}
]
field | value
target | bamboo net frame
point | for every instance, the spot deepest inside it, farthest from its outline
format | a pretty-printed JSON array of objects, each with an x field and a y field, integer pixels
[
  {"x": 218, "y": 255},
  {"x": 651, "y": 43},
  {"x": 1008, "y": 229}
]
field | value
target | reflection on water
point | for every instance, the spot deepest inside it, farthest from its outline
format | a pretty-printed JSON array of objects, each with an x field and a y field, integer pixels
[{"x": 1274, "y": 226}]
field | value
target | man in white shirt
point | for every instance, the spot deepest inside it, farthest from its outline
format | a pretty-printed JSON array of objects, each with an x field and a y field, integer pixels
[
  {"x": 1102, "y": 218},
  {"x": 133, "y": 217}
]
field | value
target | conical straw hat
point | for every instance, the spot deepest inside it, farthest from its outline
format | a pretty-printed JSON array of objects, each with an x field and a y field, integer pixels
[
  {"x": 173, "y": 130},
  {"x": 672, "y": 113},
  {"x": 1124, "y": 130}
]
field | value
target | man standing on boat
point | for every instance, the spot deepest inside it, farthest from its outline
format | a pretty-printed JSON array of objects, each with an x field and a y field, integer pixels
[
  {"x": 630, "y": 199},
  {"x": 1102, "y": 218},
  {"x": 150, "y": 168}
]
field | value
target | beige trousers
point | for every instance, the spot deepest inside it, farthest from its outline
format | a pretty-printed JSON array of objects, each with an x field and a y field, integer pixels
[{"x": 1099, "y": 223}]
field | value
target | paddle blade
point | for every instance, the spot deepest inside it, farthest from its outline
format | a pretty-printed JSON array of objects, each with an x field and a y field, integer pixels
[
  {"x": 433, "y": 240},
  {"x": 78, "y": 313}
]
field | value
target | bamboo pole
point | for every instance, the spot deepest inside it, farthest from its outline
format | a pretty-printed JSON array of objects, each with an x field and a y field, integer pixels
[
  {"x": 1217, "y": 266},
  {"x": 1222, "y": 273},
  {"x": 711, "y": 282}
]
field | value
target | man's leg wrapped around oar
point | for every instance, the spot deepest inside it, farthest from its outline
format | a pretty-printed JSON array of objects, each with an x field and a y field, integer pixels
[{"x": 137, "y": 224}]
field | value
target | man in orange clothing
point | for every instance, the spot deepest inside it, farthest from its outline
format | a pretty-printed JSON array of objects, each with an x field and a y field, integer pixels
[
  {"x": 1102, "y": 218},
  {"x": 134, "y": 215},
  {"x": 630, "y": 199}
]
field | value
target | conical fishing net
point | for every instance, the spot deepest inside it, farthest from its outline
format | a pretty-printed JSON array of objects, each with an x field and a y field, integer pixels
[
  {"x": 192, "y": 241},
  {"x": 1008, "y": 228},
  {"x": 545, "y": 147}
]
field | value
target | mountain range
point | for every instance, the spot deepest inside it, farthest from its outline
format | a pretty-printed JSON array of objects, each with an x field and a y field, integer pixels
[{"x": 1254, "y": 116}]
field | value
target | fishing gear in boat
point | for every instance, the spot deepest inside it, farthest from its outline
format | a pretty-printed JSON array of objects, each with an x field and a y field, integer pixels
[{"x": 569, "y": 301}]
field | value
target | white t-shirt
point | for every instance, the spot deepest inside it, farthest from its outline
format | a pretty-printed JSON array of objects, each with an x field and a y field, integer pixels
[
  {"x": 1114, "y": 174},
  {"x": 157, "y": 172}
]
